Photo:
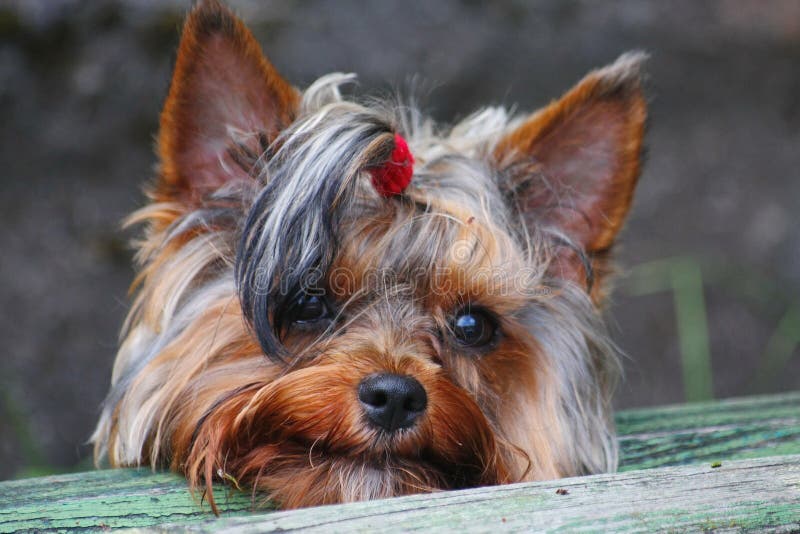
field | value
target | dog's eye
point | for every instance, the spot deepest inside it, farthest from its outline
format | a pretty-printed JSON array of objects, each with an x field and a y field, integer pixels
[
  {"x": 309, "y": 308},
  {"x": 474, "y": 328}
]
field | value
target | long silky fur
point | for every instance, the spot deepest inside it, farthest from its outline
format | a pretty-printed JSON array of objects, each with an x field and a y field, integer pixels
[{"x": 201, "y": 382}]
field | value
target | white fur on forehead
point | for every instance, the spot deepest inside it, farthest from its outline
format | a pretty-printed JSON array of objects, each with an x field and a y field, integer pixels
[
  {"x": 453, "y": 163},
  {"x": 473, "y": 136},
  {"x": 450, "y": 164}
]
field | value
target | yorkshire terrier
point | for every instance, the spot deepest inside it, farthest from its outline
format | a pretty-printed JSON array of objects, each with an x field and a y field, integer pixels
[{"x": 338, "y": 300}]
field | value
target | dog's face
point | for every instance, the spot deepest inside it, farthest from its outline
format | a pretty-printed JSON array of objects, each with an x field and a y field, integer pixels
[{"x": 297, "y": 331}]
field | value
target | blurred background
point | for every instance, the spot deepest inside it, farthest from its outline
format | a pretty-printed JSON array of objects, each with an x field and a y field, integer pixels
[{"x": 707, "y": 305}]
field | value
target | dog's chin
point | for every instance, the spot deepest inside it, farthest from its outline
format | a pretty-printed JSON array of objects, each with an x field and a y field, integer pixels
[
  {"x": 294, "y": 474},
  {"x": 323, "y": 450},
  {"x": 296, "y": 480}
]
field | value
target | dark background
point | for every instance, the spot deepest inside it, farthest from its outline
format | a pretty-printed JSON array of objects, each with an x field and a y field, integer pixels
[{"x": 711, "y": 252}]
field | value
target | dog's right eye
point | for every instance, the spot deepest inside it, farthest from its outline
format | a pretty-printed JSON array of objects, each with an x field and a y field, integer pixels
[{"x": 310, "y": 308}]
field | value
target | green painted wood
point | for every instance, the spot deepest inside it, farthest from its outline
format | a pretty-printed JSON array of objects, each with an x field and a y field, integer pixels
[
  {"x": 741, "y": 495},
  {"x": 704, "y": 432},
  {"x": 106, "y": 499},
  {"x": 751, "y": 427}
]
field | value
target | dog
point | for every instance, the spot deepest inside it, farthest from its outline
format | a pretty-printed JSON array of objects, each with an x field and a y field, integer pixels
[{"x": 338, "y": 300}]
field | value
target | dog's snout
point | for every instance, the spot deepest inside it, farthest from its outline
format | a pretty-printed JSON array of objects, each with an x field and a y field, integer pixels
[{"x": 392, "y": 401}]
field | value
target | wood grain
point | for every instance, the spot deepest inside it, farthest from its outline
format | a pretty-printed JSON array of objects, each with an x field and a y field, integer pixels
[
  {"x": 749, "y": 428},
  {"x": 740, "y": 495}
]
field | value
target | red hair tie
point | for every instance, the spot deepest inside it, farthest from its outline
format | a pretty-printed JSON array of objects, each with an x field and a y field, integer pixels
[{"x": 393, "y": 177}]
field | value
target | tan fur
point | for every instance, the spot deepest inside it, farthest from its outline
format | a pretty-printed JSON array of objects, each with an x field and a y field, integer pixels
[{"x": 195, "y": 389}]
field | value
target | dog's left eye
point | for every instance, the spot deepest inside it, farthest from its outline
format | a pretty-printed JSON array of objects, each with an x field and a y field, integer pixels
[
  {"x": 310, "y": 308},
  {"x": 474, "y": 328}
]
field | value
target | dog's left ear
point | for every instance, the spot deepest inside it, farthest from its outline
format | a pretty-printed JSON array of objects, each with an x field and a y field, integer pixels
[
  {"x": 225, "y": 95},
  {"x": 573, "y": 166}
]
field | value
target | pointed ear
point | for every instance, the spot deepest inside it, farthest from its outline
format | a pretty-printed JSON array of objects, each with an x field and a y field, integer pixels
[
  {"x": 226, "y": 103},
  {"x": 573, "y": 165}
]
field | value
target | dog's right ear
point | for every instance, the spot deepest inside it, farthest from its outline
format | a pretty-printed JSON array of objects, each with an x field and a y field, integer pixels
[{"x": 225, "y": 99}]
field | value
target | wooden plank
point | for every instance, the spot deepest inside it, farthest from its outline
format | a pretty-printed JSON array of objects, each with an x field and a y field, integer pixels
[
  {"x": 751, "y": 427},
  {"x": 741, "y": 428},
  {"x": 105, "y": 499},
  {"x": 740, "y": 495}
]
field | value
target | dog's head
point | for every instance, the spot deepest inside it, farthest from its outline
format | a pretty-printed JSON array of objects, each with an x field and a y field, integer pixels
[{"x": 298, "y": 331}]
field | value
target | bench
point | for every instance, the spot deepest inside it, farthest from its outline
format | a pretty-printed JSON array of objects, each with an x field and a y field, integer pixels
[{"x": 722, "y": 465}]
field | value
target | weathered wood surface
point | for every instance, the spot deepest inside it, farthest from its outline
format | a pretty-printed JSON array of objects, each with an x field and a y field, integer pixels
[
  {"x": 704, "y": 432},
  {"x": 740, "y": 495},
  {"x": 751, "y": 427},
  {"x": 100, "y": 500}
]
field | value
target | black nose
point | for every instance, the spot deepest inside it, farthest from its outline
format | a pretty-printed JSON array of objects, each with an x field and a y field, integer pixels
[{"x": 392, "y": 401}]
